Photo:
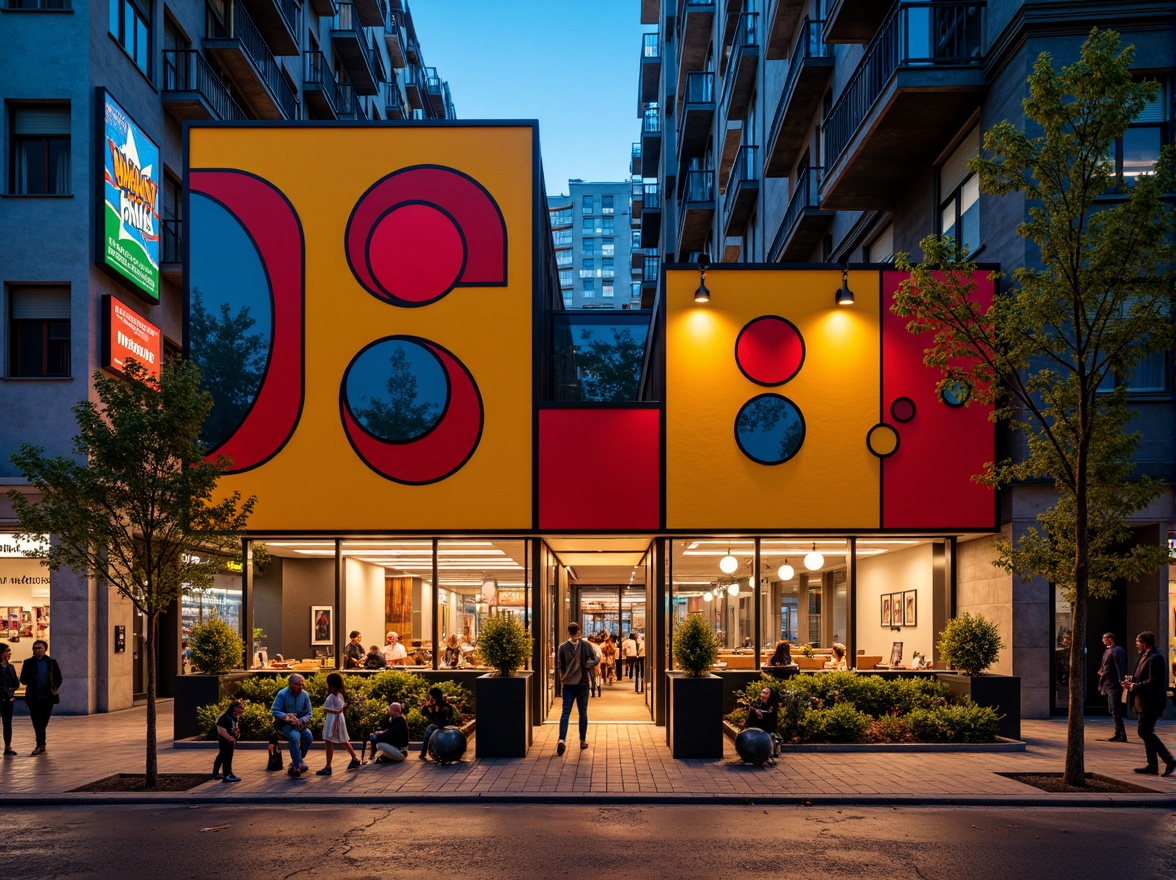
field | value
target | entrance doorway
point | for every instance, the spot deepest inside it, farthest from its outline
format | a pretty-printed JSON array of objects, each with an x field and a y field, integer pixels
[{"x": 615, "y": 614}]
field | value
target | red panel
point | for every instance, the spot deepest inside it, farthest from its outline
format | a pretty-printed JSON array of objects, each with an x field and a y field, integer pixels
[
  {"x": 600, "y": 469},
  {"x": 927, "y": 482}
]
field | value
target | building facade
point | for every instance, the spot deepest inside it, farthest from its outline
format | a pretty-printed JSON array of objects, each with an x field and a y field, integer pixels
[
  {"x": 94, "y": 98},
  {"x": 838, "y": 132}
]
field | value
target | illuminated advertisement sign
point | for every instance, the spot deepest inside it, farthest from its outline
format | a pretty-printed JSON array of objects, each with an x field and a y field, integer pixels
[
  {"x": 125, "y": 333},
  {"x": 130, "y": 223}
]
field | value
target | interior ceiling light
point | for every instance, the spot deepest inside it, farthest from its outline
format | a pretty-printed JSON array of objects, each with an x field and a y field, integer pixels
[
  {"x": 707, "y": 596},
  {"x": 733, "y": 589},
  {"x": 786, "y": 571},
  {"x": 813, "y": 560},
  {"x": 728, "y": 564}
]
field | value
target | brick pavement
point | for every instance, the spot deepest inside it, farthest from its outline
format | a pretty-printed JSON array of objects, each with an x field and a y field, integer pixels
[{"x": 626, "y": 761}]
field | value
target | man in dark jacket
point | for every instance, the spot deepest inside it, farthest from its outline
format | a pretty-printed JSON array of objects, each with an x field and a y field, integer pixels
[
  {"x": 572, "y": 662},
  {"x": 392, "y": 741},
  {"x": 1110, "y": 683},
  {"x": 41, "y": 677},
  {"x": 1148, "y": 687}
]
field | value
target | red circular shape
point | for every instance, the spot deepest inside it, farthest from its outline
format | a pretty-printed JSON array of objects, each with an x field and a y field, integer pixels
[
  {"x": 416, "y": 253},
  {"x": 769, "y": 350}
]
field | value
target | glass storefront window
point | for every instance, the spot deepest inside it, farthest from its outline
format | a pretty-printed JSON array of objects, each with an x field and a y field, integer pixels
[
  {"x": 24, "y": 599},
  {"x": 901, "y": 581}
]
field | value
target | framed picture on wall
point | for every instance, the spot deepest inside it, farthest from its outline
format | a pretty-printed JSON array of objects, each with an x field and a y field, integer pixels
[
  {"x": 908, "y": 608},
  {"x": 321, "y": 624},
  {"x": 886, "y": 609},
  {"x": 896, "y": 654},
  {"x": 896, "y": 609}
]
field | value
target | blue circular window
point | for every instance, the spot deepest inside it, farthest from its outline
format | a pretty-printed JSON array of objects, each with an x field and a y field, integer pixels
[
  {"x": 396, "y": 389},
  {"x": 956, "y": 392},
  {"x": 769, "y": 429}
]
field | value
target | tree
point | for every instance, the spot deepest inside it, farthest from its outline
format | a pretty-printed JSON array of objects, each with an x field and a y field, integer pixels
[
  {"x": 610, "y": 371},
  {"x": 135, "y": 507},
  {"x": 1051, "y": 348}
]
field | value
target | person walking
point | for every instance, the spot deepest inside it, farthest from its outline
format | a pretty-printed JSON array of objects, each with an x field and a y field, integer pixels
[
  {"x": 228, "y": 731},
  {"x": 9, "y": 682},
  {"x": 593, "y": 678},
  {"x": 608, "y": 659},
  {"x": 292, "y": 713},
  {"x": 572, "y": 662},
  {"x": 1148, "y": 687},
  {"x": 629, "y": 653},
  {"x": 41, "y": 677},
  {"x": 335, "y": 725},
  {"x": 639, "y": 664},
  {"x": 1110, "y": 683}
]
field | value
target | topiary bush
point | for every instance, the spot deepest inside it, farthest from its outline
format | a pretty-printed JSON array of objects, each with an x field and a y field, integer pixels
[
  {"x": 841, "y": 723},
  {"x": 970, "y": 643},
  {"x": 504, "y": 645},
  {"x": 216, "y": 647},
  {"x": 696, "y": 647},
  {"x": 962, "y": 722}
]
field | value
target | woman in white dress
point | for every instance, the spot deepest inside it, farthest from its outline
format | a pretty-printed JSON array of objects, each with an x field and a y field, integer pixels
[{"x": 335, "y": 725}]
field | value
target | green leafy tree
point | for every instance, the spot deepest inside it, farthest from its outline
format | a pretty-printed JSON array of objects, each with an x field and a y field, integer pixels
[
  {"x": 610, "y": 370},
  {"x": 1069, "y": 328},
  {"x": 134, "y": 506}
]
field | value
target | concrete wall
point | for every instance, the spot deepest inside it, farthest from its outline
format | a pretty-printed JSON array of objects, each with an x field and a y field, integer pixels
[{"x": 364, "y": 584}]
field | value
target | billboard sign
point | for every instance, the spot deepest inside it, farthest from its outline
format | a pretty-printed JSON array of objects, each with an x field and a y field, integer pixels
[
  {"x": 130, "y": 222},
  {"x": 126, "y": 333}
]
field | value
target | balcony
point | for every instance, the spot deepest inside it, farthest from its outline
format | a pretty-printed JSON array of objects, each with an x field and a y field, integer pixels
[
  {"x": 651, "y": 215},
  {"x": 742, "y": 190},
  {"x": 696, "y": 213},
  {"x": 171, "y": 255},
  {"x": 278, "y": 21},
  {"x": 804, "y": 222},
  {"x": 192, "y": 90},
  {"x": 650, "y": 276},
  {"x": 695, "y": 21},
  {"x": 350, "y": 44},
  {"x": 412, "y": 50},
  {"x": 855, "y": 21},
  {"x": 437, "y": 91},
  {"x": 809, "y": 69},
  {"x": 637, "y": 257},
  {"x": 651, "y": 133},
  {"x": 414, "y": 87},
  {"x": 349, "y": 105},
  {"x": 324, "y": 8},
  {"x": 697, "y": 115},
  {"x": 636, "y": 200},
  {"x": 783, "y": 17},
  {"x": 651, "y": 65},
  {"x": 319, "y": 87},
  {"x": 918, "y": 82},
  {"x": 242, "y": 51},
  {"x": 371, "y": 13},
  {"x": 635, "y": 159},
  {"x": 395, "y": 38},
  {"x": 739, "y": 78},
  {"x": 394, "y": 107}
]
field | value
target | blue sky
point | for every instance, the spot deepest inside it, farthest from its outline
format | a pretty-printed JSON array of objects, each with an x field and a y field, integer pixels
[{"x": 570, "y": 64}]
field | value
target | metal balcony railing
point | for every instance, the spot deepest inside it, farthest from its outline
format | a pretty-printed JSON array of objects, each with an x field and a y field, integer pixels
[
  {"x": 806, "y": 195},
  {"x": 346, "y": 19},
  {"x": 914, "y": 35},
  {"x": 700, "y": 87},
  {"x": 651, "y": 120},
  {"x": 186, "y": 70},
  {"x": 393, "y": 103},
  {"x": 292, "y": 13},
  {"x": 650, "y": 268},
  {"x": 699, "y": 186},
  {"x": 244, "y": 30},
  {"x": 745, "y": 169},
  {"x": 173, "y": 240},
  {"x": 651, "y": 199},
  {"x": 317, "y": 72},
  {"x": 746, "y": 34},
  {"x": 635, "y": 151},
  {"x": 809, "y": 45},
  {"x": 349, "y": 105}
]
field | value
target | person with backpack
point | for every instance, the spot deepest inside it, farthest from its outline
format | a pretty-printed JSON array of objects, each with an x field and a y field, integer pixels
[{"x": 573, "y": 661}]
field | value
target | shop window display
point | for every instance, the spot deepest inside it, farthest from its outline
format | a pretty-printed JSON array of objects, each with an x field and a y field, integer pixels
[{"x": 24, "y": 598}]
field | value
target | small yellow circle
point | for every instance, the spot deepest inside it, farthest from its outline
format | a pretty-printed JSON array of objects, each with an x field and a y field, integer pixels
[{"x": 882, "y": 440}]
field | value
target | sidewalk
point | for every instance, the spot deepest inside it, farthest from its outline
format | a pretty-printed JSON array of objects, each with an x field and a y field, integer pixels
[{"x": 626, "y": 761}]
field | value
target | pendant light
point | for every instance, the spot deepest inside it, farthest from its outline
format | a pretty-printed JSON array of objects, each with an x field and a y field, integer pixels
[
  {"x": 707, "y": 596},
  {"x": 786, "y": 571},
  {"x": 728, "y": 564},
  {"x": 733, "y": 589},
  {"x": 814, "y": 560}
]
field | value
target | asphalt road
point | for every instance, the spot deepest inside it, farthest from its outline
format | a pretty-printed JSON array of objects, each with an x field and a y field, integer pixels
[{"x": 460, "y": 842}]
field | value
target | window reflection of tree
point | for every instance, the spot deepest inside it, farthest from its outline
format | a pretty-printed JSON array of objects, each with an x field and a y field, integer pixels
[
  {"x": 398, "y": 417},
  {"x": 231, "y": 361},
  {"x": 769, "y": 416},
  {"x": 609, "y": 371}
]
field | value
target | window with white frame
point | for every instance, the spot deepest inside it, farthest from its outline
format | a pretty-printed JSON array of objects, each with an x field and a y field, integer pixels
[
  {"x": 959, "y": 201},
  {"x": 606, "y": 289}
]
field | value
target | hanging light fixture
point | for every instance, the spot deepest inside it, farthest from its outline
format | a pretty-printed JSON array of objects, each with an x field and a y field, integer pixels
[
  {"x": 733, "y": 589},
  {"x": 844, "y": 296},
  {"x": 707, "y": 596},
  {"x": 786, "y": 571},
  {"x": 728, "y": 564},
  {"x": 813, "y": 560},
  {"x": 702, "y": 295}
]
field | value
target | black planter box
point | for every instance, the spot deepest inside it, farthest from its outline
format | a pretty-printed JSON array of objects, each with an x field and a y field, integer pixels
[
  {"x": 694, "y": 727},
  {"x": 196, "y": 691},
  {"x": 1001, "y": 692},
  {"x": 504, "y": 715}
]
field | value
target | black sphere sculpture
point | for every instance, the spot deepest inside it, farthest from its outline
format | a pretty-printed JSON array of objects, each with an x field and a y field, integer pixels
[
  {"x": 754, "y": 746},
  {"x": 447, "y": 745}
]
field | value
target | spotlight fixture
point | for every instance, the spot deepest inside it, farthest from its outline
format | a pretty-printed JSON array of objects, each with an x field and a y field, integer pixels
[
  {"x": 728, "y": 564},
  {"x": 813, "y": 560},
  {"x": 702, "y": 295},
  {"x": 844, "y": 296},
  {"x": 707, "y": 596},
  {"x": 786, "y": 571}
]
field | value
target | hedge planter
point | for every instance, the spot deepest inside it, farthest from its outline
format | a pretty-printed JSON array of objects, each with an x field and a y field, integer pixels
[
  {"x": 1001, "y": 692},
  {"x": 197, "y": 690},
  {"x": 694, "y": 726},
  {"x": 504, "y": 715}
]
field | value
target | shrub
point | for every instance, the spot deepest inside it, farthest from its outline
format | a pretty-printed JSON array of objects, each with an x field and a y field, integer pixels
[
  {"x": 260, "y": 689},
  {"x": 256, "y": 723},
  {"x": 970, "y": 643},
  {"x": 962, "y": 722},
  {"x": 398, "y": 686},
  {"x": 216, "y": 647},
  {"x": 889, "y": 729},
  {"x": 841, "y": 723},
  {"x": 696, "y": 648},
  {"x": 504, "y": 645}
]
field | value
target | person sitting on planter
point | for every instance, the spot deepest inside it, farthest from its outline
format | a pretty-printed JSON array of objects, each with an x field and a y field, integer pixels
[
  {"x": 392, "y": 741},
  {"x": 440, "y": 713},
  {"x": 292, "y": 713},
  {"x": 374, "y": 659},
  {"x": 765, "y": 714},
  {"x": 837, "y": 659}
]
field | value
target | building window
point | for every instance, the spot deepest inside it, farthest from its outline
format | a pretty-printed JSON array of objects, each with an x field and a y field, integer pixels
[
  {"x": 606, "y": 289},
  {"x": 39, "y": 164},
  {"x": 606, "y": 265},
  {"x": 1136, "y": 152},
  {"x": 881, "y": 249},
  {"x": 563, "y": 258},
  {"x": 38, "y": 343},
  {"x": 608, "y": 246},
  {"x": 588, "y": 205},
  {"x": 130, "y": 24},
  {"x": 563, "y": 238},
  {"x": 588, "y": 226},
  {"x": 959, "y": 206},
  {"x": 589, "y": 289},
  {"x": 562, "y": 217},
  {"x": 608, "y": 225},
  {"x": 606, "y": 204},
  {"x": 565, "y": 278},
  {"x": 588, "y": 248}
]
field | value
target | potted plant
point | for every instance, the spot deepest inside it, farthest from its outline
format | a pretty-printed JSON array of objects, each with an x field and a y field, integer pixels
[
  {"x": 694, "y": 727},
  {"x": 970, "y": 644},
  {"x": 503, "y": 697},
  {"x": 217, "y": 653}
]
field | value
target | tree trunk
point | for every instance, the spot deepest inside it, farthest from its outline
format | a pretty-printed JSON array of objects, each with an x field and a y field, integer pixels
[
  {"x": 1075, "y": 772},
  {"x": 152, "y": 757}
]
